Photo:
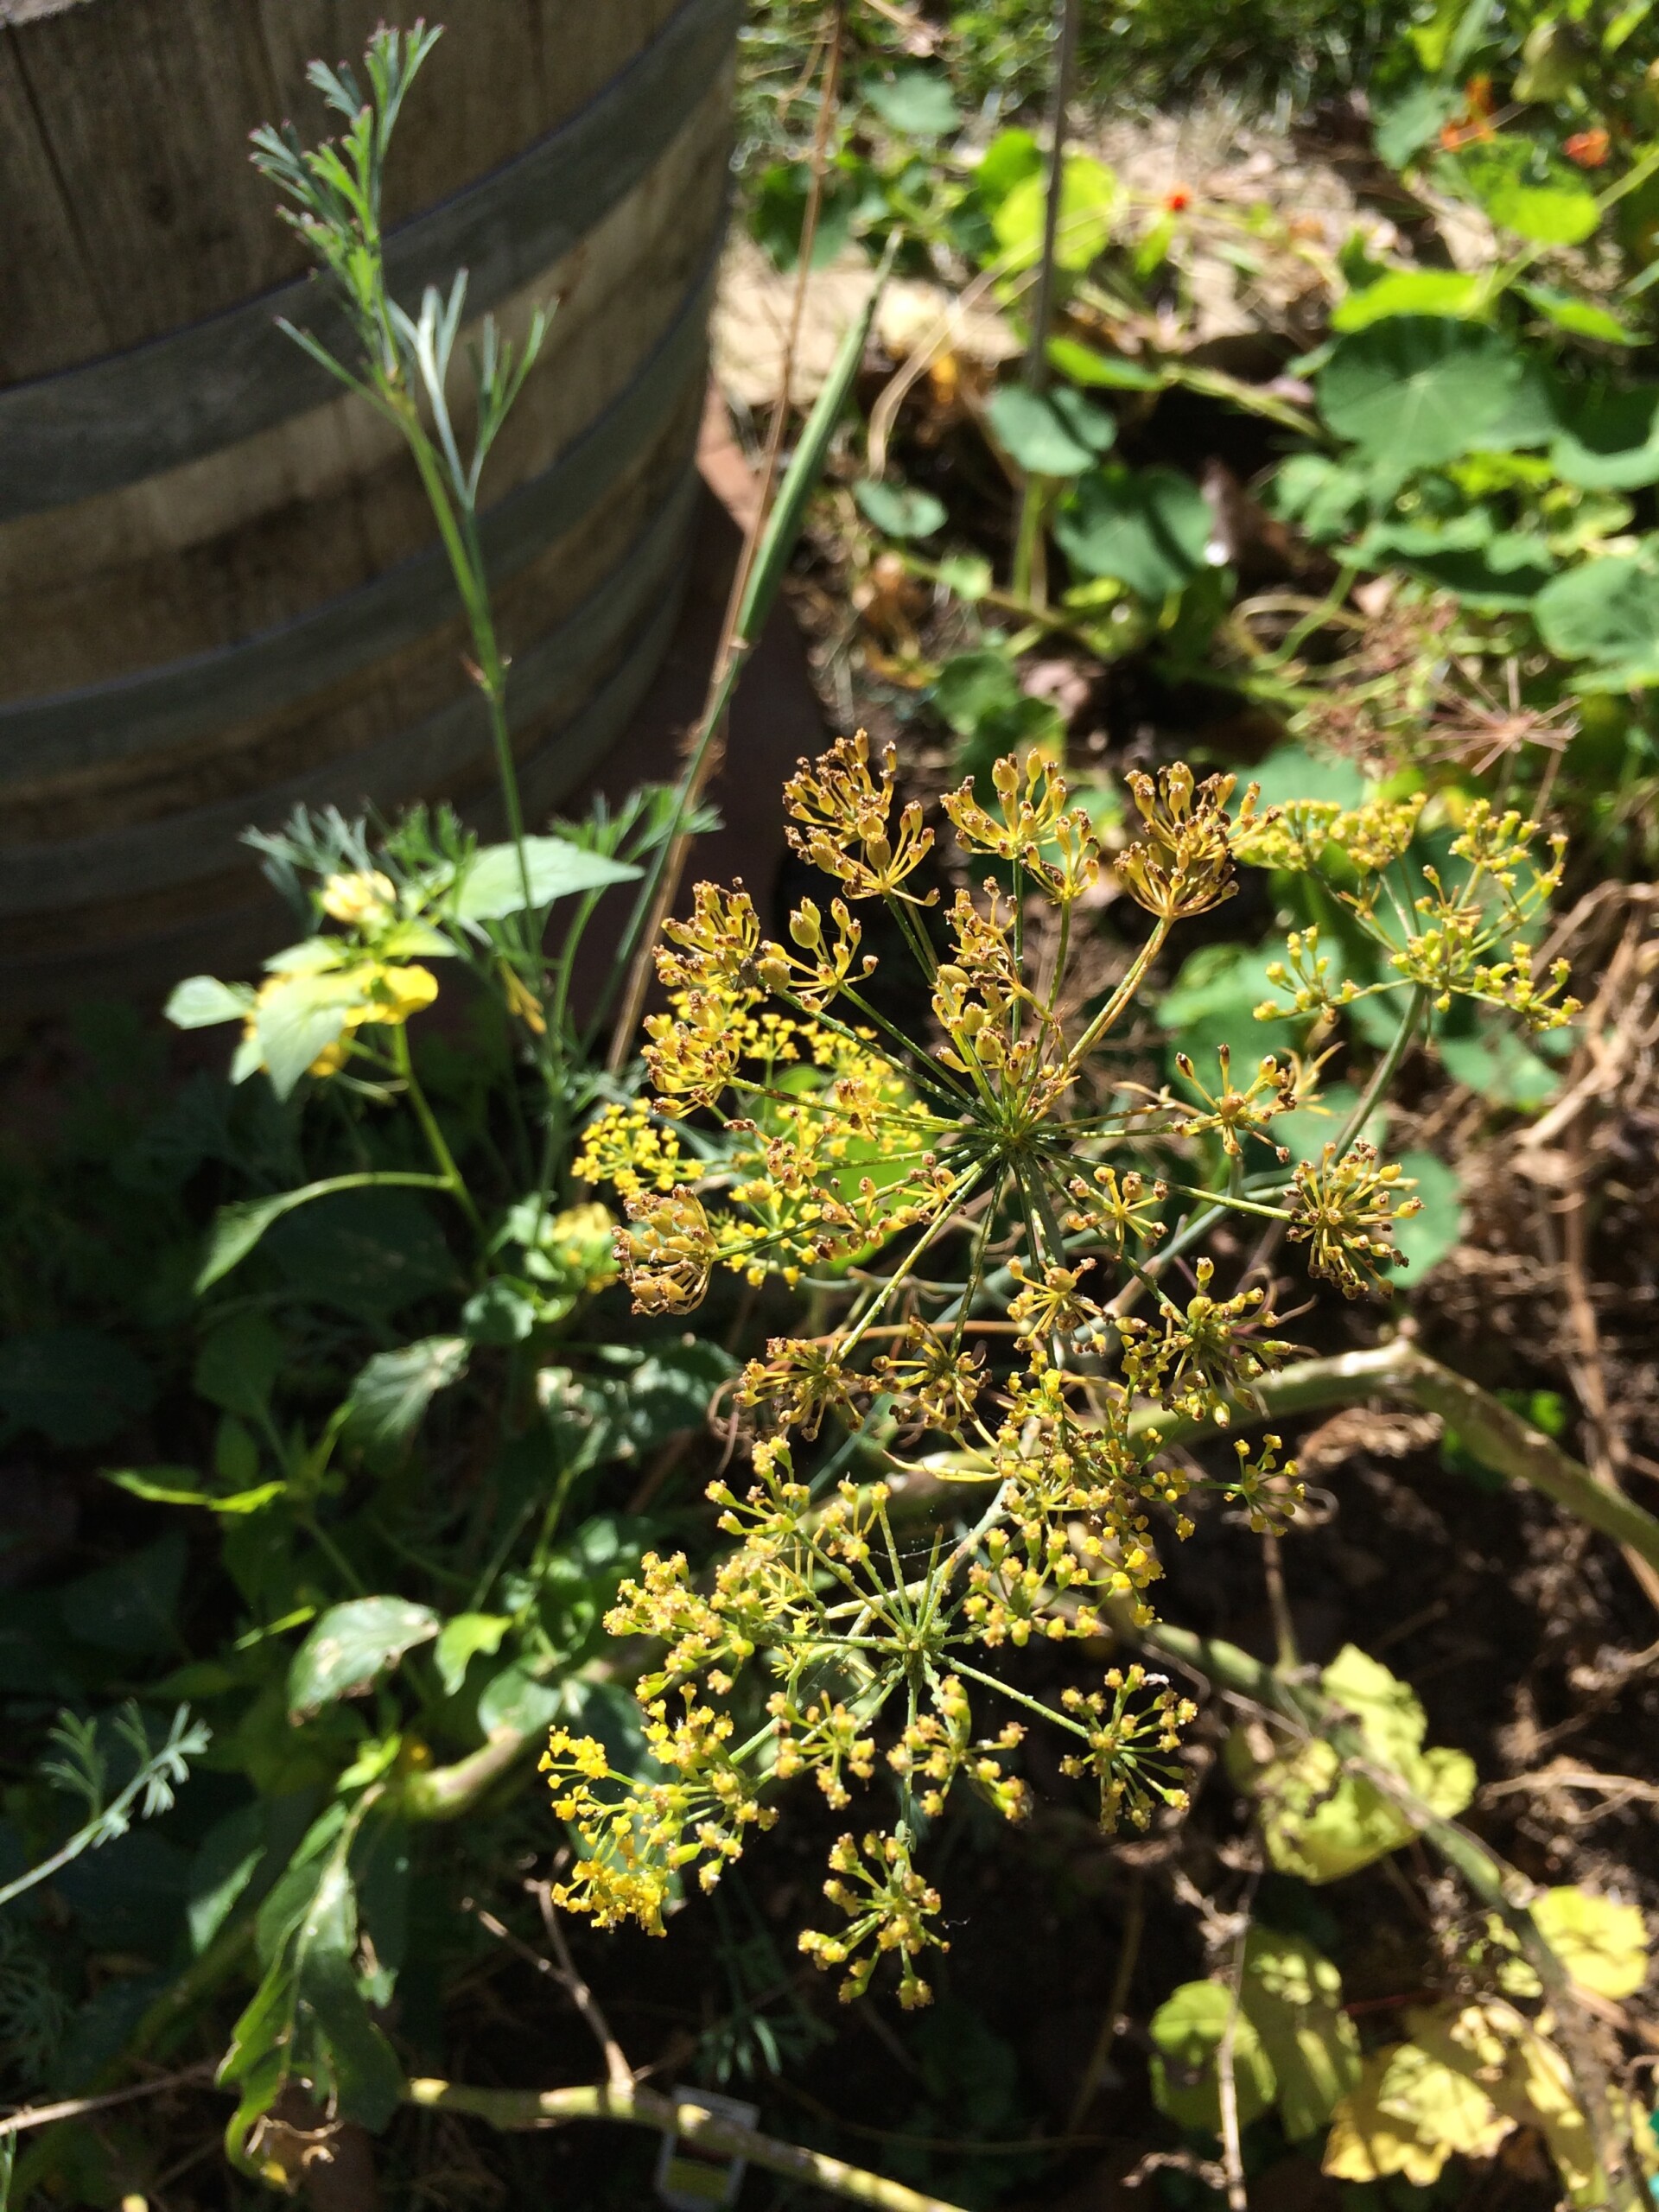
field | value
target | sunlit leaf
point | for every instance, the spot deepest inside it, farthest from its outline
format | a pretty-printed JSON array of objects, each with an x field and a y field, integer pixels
[
  {"x": 493, "y": 885},
  {"x": 394, "y": 1389},
  {"x": 201, "y": 1000},
  {"x": 1579, "y": 318},
  {"x": 1603, "y": 1945},
  {"x": 462, "y": 1639},
  {"x": 1292, "y": 1994},
  {"x": 1367, "y": 2144},
  {"x": 1088, "y": 202},
  {"x": 1320, "y": 1823},
  {"x": 1186, "y": 2032},
  {"x": 1412, "y": 291},
  {"x": 352, "y": 1646}
]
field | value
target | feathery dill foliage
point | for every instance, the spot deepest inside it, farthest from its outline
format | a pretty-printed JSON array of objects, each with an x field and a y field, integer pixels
[{"x": 1025, "y": 1194}]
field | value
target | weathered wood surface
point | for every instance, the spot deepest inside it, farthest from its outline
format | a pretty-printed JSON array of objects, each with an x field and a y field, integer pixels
[{"x": 266, "y": 619}]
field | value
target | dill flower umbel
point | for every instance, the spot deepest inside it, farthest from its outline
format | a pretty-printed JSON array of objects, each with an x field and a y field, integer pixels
[{"x": 992, "y": 1227}]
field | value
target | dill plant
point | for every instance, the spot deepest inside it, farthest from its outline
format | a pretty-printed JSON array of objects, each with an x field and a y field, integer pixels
[{"x": 992, "y": 1215}]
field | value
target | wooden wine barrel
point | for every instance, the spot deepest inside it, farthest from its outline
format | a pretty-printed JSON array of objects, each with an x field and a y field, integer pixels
[{"x": 221, "y": 590}]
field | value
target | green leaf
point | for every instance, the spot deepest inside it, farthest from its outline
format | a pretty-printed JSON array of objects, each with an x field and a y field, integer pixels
[
  {"x": 1212, "y": 1002},
  {"x": 366, "y": 2079},
  {"x": 74, "y": 1386},
  {"x": 300, "y": 1016},
  {"x": 1320, "y": 1823},
  {"x": 462, "y": 1639},
  {"x": 1609, "y": 438},
  {"x": 493, "y": 884},
  {"x": 394, "y": 1389},
  {"x": 131, "y": 1607},
  {"x": 1424, "y": 1239},
  {"x": 1034, "y": 435},
  {"x": 221, "y": 1871},
  {"x": 1540, "y": 200},
  {"x": 239, "y": 1364},
  {"x": 238, "y": 1228},
  {"x": 1402, "y": 126},
  {"x": 1291, "y": 771},
  {"x": 916, "y": 102},
  {"x": 368, "y": 1252},
  {"x": 1106, "y": 371},
  {"x": 1603, "y": 1945},
  {"x": 1148, "y": 528},
  {"x": 900, "y": 511},
  {"x": 967, "y": 575},
  {"x": 1186, "y": 2032},
  {"x": 1031, "y": 431},
  {"x": 1089, "y": 200},
  {"x": 504, "y": 1312},
  {"x": 1579, "y": 318},
  {"x": 179, "y": 1486},
  {"x": 778, "y": 212},
  {"x": 1418, "y": 389},
  {"x": 1494, "y": 1064},
  {"x": 518, "y": 1702},
  {"x": 351, "y": 1647},
  {"x": 201, "y": 1000},
  {"x": 634, "y": 1411},
  {"x": 1318, "y": 494},
  {"x": 1010, "y": 159},
  {"x": 971, "y": 686},
  {"x": 1292, "y": 1994},
  {"x": 1606, "y": 611},
  {"x": 1493, "y": 570},
  {"x": 1412, "y": 291}
]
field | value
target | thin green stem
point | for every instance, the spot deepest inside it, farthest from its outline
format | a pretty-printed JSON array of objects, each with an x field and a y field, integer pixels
[
  {"x": 1018, "y": 1697},
  {"x": 1122, "y": 997},
  {"x": 435, "y": 1138},
  {"x": 1384, "y": 1072}
]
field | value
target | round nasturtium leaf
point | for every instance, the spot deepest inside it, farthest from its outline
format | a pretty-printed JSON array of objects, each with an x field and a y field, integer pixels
[
  {"x": 1187, "y": 2031},
  {"x": 1419, "y": 390},
  {"x": 1038, "y": 437},
  {"x": 1148, "y": 528},
  {"x": 1604, "y": 611}
]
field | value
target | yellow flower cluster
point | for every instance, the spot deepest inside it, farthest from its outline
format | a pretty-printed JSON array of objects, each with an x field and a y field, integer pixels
[{"x": 982, "y": 1217}]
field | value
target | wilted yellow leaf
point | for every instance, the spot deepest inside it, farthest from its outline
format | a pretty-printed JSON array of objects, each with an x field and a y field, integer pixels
[
  {"x": 1442, "y": 2105},
  {"x": 1320, "y": 1823},
  {"x": 1367, "y": 2144},
  {"x": 1603, "y": 1946}
]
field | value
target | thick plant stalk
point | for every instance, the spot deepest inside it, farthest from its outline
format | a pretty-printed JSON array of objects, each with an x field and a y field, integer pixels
[
  {"x": 1500, "y": 1439},
  {"x": 523, "y": 2108},
  {"x": 1498, "y": 1885}
]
